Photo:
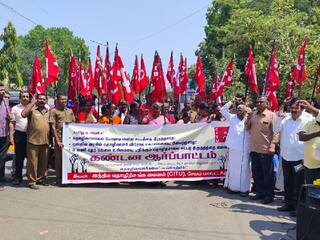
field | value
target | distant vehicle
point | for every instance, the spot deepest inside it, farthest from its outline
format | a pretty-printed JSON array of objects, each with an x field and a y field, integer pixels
[{"x": 14, "y": 98}]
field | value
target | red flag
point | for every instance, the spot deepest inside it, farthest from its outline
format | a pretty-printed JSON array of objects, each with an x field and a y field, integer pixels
[
  {"x": 176, "y": 87},
  {"x": 84, "y": 84},
  {"x": 126, "y": 87},
  {"x": 36, "y": 85},
  {"x": 73, "y": 79},
  {"x": 199, "y": 77},
  {"x": 171, "y": 72},
  {"x": 158, "y": 89},
  {"x": 143, "y": 78},
  {"x": 220, "y": 134},
  {"x": 135, "y": 82},
  {"x": 90, "y": 80},
  {"x": 290, "y": 84},
  {"x": 183, "y": 74},
  {"x": 227, "y": 76},
  {"x": 214, "y": 89},
  {"x": 272, "y": 82},
  {"x": 250, "y": 72},
  {"x": 217, "y": 89},
  {"x": 300, "y": 71},
  {"x": 272, "y": 97},
  {"x": 115, "y": 77},
  {"x": 97, "y": 71},
  {"x": 52, "y": 68},
  {"x": 106, "y": 75}
]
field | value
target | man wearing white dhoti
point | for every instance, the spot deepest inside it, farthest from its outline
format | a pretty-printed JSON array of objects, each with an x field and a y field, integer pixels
[{"x": 238, "y": 170}]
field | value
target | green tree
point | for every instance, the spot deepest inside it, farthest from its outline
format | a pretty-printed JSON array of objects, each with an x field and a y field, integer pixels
[
  {"x": 234, "y": 25},
  {"x": 61, "y": 41},
  {"x": 9, "y": 59}
]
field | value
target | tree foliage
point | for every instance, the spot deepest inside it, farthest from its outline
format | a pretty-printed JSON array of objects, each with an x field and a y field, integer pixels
[
  {"x": 234, "y": 25},
  {"x": 61, "y": 41},
  {"x": 9, "y": 58}
]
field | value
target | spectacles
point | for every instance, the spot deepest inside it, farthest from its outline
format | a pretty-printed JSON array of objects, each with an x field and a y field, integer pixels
[{"x": 6, "y": 97}]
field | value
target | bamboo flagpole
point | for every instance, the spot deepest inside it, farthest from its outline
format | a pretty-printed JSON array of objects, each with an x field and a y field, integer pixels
[
  {"x": 266, "y": 81},
  {"x": 316, "y": 82}
]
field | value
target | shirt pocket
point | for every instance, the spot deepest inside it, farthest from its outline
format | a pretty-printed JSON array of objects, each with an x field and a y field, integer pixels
[{"x": 265, "y": 126}]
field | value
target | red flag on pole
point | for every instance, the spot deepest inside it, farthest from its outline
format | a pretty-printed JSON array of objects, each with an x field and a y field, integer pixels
[
  {"x": 170, "y": 71},
  {"x": 250, "y": 72},
  {"x": 73, "y": 84},
  {"x": 52, "y": 68},
  {"x": 115, "y": 77},
  {"x": 290, "y": 84},
  {"x": 300, "y": 70},
  {"x": 126, "y": 87},
  {"x": 227, "y": 76},
  {"x": 90, "y": 80},
  {"x": 143, "y": 78},
  {"x": 214, "y": 89},
  {"x": 104, "y": 88},
  {"x": 84, "y": 84},
  {"x": 199, "y": 77},
  {"x": 158, "y": 90},
  {"x": 73, "y": 79},
  {"x": 97, "y": 71},
  {"x": 272, "y": 82},
  {"x": 272, "y": 97},
  {"x": 135, "y": 82},
  {"x": 36, "y": 85},
  {"x": 183, "y": 74}
]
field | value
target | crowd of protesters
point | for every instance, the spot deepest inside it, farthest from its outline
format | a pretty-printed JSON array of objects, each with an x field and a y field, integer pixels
[{"x": 255, "y": 136}]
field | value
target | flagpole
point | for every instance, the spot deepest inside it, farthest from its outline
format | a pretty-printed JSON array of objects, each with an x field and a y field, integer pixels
[
  {"x": 314, "y": 86},
  {"x": 109, "y": 85},
  {"x": 300, "y": 77},
  {"x": 179, "y": 79},
  {"x": 247, "y": 82},
  {"x": 99, "y": 79},
  {"x": 246, "y": 90},
  {"x": 78, "y": 93},
  {"x": 266, "y": 81},
  {"x": 162, "y": 95},
  {"x": 292, "y": 79}
]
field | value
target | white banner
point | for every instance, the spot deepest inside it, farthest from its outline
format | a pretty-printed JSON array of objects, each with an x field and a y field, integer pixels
[{"x": 129, "y": 153}]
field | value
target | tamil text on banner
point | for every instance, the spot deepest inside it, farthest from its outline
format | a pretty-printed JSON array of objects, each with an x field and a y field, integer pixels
[{"x": 128, "y": 153}]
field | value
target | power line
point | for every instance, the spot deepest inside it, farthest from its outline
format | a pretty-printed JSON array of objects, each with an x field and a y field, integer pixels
[
  {"x": 170, "y": 26},
  {"x": 18, "y": 13}
]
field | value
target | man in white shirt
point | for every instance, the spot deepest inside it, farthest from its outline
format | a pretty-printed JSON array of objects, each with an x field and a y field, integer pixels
[
  {"x": 238, "y": 172},
  {"x": 291, "y": 151},
  {"x": 20, "y": 136}
]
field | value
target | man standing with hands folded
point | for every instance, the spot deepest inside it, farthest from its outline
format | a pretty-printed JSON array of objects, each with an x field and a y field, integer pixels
[
  {"x": 291, "y": 151},
  {"x": 59, "y": 115},
  {"x": 262, "y": 148}
]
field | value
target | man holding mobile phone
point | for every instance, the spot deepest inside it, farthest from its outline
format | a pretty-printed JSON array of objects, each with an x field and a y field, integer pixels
[{"x": 291, "y": 151}]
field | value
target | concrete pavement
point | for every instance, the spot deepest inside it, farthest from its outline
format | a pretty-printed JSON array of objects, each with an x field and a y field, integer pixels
[{"x": 182, "y": 210}]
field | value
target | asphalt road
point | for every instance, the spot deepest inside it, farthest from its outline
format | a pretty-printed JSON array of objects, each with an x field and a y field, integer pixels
[{"x": 182, "y": 210}]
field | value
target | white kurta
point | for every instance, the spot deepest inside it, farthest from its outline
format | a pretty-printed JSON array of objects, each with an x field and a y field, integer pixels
[{"x": 238, "y": 170}]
